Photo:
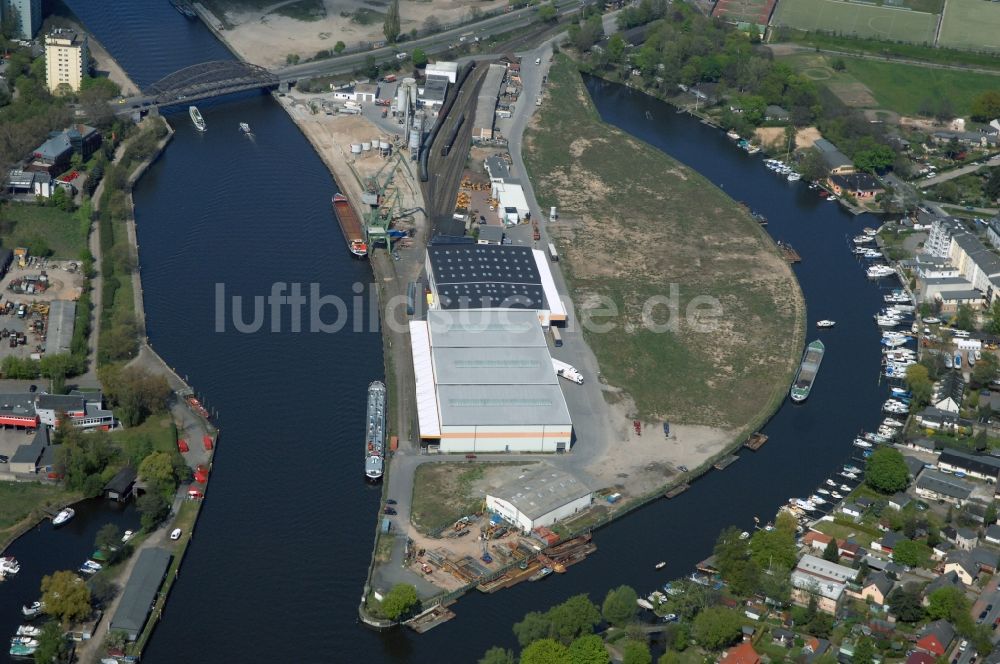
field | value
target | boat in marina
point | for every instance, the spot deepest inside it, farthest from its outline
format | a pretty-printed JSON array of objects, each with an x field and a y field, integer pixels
[
  {"x": 794, "y": 177},
  {"x": 20, "y": 650},
  {"x": 733, "y": 135},
  {"x": 661, "y": 564},
  {"x": 825, "y": 323},
  {"x": 540, "y": 574},
  {"x": 184, "y": 9},
  {"x": 860, "y": 442},
  {"x": 32, "y": 610},
  {"x": 644, "y": 603},
  {"x": 196, "y": 118},
  {"x": 28, "y": 630},
  {"x": 350, "y": 225},
  {"x": 808, "y": 369},
  {"x": 63, "y": 516},
  {"x": 375, "y": 432},
  {"x": 9, "y": 566}
]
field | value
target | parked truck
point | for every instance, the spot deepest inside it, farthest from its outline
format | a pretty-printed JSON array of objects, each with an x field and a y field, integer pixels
[{"x": 567, "y": 371}]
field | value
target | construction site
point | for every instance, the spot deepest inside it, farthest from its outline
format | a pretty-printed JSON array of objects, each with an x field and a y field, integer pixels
[{"x": 37, "y": 306}]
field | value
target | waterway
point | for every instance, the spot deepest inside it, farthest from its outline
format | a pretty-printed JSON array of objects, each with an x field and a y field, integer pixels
[{"x": 282, "y": 547}]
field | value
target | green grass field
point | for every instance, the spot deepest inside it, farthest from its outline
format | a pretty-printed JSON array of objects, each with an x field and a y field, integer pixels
[
  {"x": 972, "y": 25},
  {"x": 39, "y": 228},
  {"x": 902, "y": 88},
  {"x": 847, "y": 18}
]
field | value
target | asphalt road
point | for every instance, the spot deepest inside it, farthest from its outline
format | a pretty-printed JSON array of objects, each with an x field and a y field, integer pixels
[{"x": 955, "y": 172}]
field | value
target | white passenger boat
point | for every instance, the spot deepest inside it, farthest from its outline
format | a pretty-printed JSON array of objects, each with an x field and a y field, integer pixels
[
  {"x": 825, "y": 323},
  {"x": 196, "y": 118},
  {"x": 63, "y": 516}
]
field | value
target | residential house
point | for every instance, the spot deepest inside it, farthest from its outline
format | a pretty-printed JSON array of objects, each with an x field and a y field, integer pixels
[
  {"x": 876, "y": 588},
  {"x": 941, "y": 550},
  {"x": 776, "y": 114},
  {"x": 852, "y": 510},
  {"x": 858, "y": 185},
  {"x": 921, "y": 444},
  {"x": 52, "y": 156},
  {"x": 967, "y": 138},
  {"x": 942, "y": 420},
  {"x": 966, "y": 539},
  {"x": 850, "y": 549},
  {"x": 935, "y": 485},
  {"x": 37, "y": 456},
  {"x": 836, "y": 161},
  {"x": 815, "y": 648},
  {"x": 946, "y": 580},
  {"x": 782, "y": 637},
  {"x": 935, "y": 638},
  {"x": 816, "y": 540},
  {"x": 962, "y": 564},
  {"x": 985, "y": 558},
  {"x": 888, "y": 542},
  {"x": 900, "y": 500},
  {"x": 992, "y": 534},
  {"x": 815, "y": 577},
  {"x": 741, "y": 654},
  {"x": 921, "y": 658},
  {"x": 980, "y": 466}
]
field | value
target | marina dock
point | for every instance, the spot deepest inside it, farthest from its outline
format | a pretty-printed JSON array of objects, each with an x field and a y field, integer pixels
[
  {"x": 677, "y": 490},
  {"x": 788, "y": 252},
  {"x": 430, "y": 619},
  {"x": 725, "y": 462},
  {"x": 755, "y": 441}
]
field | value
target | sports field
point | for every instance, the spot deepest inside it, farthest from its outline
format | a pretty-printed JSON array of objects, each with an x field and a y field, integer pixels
[
  {"x": 751, "y": 11},
  {"x": 862, "y": 20},
  {"x": 971, "y": 24}
]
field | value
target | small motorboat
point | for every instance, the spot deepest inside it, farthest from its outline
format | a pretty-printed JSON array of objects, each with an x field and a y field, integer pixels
[
  {"x": 831, "y": 483},
  {"x": 127, "y": 536},
  {"x": 245, "y": 128},
  {"x": 661, "y": 564},
  {"x": 932, "y": 321},
  {"x": 32, "y": 610},
  {"x": 19, "y": 650},
  {"x": 645, "y": 603},
  {"x": 744, "y": 535},
  {"x": 63, "y": 516},
  {"x": 823, "y": 492},
  {"x": 28, "y": 630},
  {"x": 844, "y": 487},
  {"x": 836, "y": 495},
  {"x": 24, "y": 641},
  {"x": 825, "y": 323},
  {"x": 9, "y": 566}
]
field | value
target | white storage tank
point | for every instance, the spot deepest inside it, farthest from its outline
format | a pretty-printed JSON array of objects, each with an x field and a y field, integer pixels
[
  {"x": 366, "y": 146},
  {"x": 355, "y": 148},
  {"x": 402, "y": 97},
  {"x": 383, "y": 145}
]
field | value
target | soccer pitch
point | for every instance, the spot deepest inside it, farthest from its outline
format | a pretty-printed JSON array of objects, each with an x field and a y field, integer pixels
[
  {"x": 971, "y": 24},
  {"x": 847, "y": 18}
]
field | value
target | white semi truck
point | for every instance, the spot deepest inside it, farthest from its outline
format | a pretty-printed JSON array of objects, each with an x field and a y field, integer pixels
[{"x": 567, "y": 371}]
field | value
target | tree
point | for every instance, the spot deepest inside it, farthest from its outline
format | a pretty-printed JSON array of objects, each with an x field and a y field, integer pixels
[
  {"x": 906, "y": 605},
  {"x": 619, "y": 606},
  {"x": 400, "y": 600},
  {"x": 588, "y": 649},
  {"x": 419, "y": 57},
  {"x": 534, "y": 626},
  {"x": 910, "y": 553},
  {"x": 153, "y": 508},
  {"x": 497, "y": 655},
  {"x": 986, "y": 106},
  {"x": 545, "y": 651},
  {"x": 52, "y": 646},
  {"x": 965, "y": 318},
  {"x": 876, "y": 159},
  {"x": 832, "y": 551},
  {"x": 134, "y": 392},
  {"x": 812, "y": 166},
  {"x": 717, "y": 627},
  {"x": 838, "y": 64},
  {"x": 947, "y": 604},
  {"x": 158, "y": 470},
  {"x": 547, "y": 13},
  {"x": 66, "y": 597},
  {"x": 390, "y": 27},
  {"x": 864, "y": 651},
  {"x": 886, "y": 471},
  {"x": 992, "y": 186},
  {"x": 774, "y": 548},
  {"x": 574, "y": 617},
  {"x": 83, "y": 457},
  {"x": 919, "y": 383},
  {"x": 636, "y": 652},
  {"x": 986, "y": 369},
  {"x": 107, "y": 538},
  {"x": 339, "y": 47},
  {"x": 821, "y": 625}
]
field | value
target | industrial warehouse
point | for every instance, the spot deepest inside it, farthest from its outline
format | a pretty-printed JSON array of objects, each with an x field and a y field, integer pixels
[
  {"x": 485, "y": 383},
  {"x": 493, "y": 277},
  {"x": 539, "y": 497}
]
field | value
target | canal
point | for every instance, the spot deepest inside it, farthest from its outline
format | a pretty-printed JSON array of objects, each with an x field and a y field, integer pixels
[{"x": 276, "y": 565}]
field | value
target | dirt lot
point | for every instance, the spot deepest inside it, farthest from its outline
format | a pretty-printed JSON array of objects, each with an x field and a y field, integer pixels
[
  {"x": 804, "y": 138},
  {"x": 265, "y": 37}
]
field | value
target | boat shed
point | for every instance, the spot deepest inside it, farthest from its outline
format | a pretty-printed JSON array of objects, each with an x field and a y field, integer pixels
[
  {"x": 62, "y": 317},
  {"x": 485, "y": 383},
  {"x": 539, "y": 497},
  {"x": 140, "y": 592},
  {"x": 121, "y": 487},
  {"x": 493, "y": 276}
]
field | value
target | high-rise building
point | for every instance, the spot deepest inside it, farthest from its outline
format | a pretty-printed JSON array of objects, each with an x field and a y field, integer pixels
[
  {"x": 26, "y": 13},
  {"x": 66, "y": 59}
]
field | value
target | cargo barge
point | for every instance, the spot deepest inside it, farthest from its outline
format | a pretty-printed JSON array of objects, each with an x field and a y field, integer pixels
[
  {"x": 804, "y": 379},
  {"x": 350, "y": 225},
  {"x": 375, "y": 432}
]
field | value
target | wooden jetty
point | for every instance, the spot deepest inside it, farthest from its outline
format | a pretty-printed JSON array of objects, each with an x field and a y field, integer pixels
[
  {"x": 755, "y": 441},
  {"x": 725, "y": 462},
  {"x": 788, "y": 252},
  {"x": 430, "y": 619},
  {"x": 677, "y": 490}
]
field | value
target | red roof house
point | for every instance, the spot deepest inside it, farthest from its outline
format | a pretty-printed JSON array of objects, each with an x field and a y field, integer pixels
[{"x": 741, "y": 654}]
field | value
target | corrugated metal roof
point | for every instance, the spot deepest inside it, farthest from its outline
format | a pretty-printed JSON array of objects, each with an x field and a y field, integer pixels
[
  {"x": 556, "y": 307},
  {"x": 62, "y": 316},
  {"x": 493, "y": 366},
  {"x": 484, "y": 329},
  {"x": 541, "y": 490},
  {"x": 503, "y": 405},
  {"x": 140, "y": 591},
  {"x": 427, "y": 408}
]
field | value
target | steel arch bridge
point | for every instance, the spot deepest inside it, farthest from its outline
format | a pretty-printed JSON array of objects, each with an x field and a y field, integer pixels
[{"x": 210, "y": 79}]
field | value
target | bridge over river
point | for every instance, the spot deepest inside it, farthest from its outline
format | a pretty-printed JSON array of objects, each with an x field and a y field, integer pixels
[{"x": 203, "y": 81}]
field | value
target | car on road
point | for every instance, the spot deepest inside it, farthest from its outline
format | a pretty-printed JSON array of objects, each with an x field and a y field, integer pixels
[
  {"x": 33, "y": 388},
  {"x": 390, "y": 502},
  {"x": 982, "y": 617},
  {"x": 963, "y": 645},
  {"x": 389, "y": 510},
  {"x": 538, "y": 61},
  {"x": 470, "y": 457},
  {"x": 175, "y": 534},
  {"x": 4, "y": 458}
]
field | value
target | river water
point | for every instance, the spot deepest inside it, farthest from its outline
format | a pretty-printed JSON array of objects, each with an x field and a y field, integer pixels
[{"x": 275, "y": 570}]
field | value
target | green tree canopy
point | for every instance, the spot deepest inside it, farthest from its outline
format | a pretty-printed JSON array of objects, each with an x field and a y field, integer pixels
[
  {"x": 886, "y": 471},
  {"x": 574, "y": 617},
  {"x": 399, "y": 601},
  {"x": 864, "y": 651},
  {"x": 620, "y": 606},
  {"x": 906, "y": 604},
  {"x": 497, "y": 655},
  {"x": 965, "y": 318},
  {"x": 832, "y": 551},
  {"x": 52, "y": 645},
  {"x": 947, "y": 604},
  {"x": 774, "y": 548},
  {"x": 876, "y": 159},
  {"x": 547, "y": 13},
  {"x": 588, "y": 649},
  {"x": 390, "y": 27},
  {"x": 134, "y": 392},
  {"x": 919, "y": 383},
  {"x": 66, "y": 597},
  {"x": 636, "y": 652},
  {"x": 153, "y": 508},
  {"x": 717, "y": 627},
  {"x": 158, "y": 470},
  {"x": 545, "y": 651},
  {"x": 83, "y": 457},
  {"x": 986, "y": 106},
  {"x": 107, "y": 538},
  {"x": 339, "y": 47},
  {"x": 534, "y": 626},
  {"x": 986, "y": 368},
  {"x": 419, "y": 57}
]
